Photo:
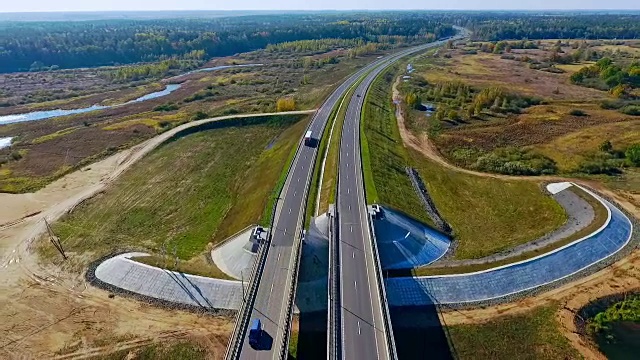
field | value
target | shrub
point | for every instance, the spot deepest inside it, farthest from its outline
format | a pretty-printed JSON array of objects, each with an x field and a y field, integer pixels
[
  {"x": 15, "y": 155},
  {"x": 200, "y": 115},
  {"x": 633, "y": 154},
  {"x": 514, "y": 161},
  {"x": 631, "y": 110},
  {"x": 577, "y": 112},
  {"x": 167, "y": 107}
]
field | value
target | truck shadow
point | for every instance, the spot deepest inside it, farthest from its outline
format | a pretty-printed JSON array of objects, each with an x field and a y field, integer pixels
[
  {"x": 312, "y": 336},
  {"x": 265, "y": 343},
  {"x": 418, "y": 330}
]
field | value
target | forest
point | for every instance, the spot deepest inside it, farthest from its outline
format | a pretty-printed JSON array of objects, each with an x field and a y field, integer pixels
[
  {"x": 38, "y": 46},
  {"x": 518, "y": 26}
]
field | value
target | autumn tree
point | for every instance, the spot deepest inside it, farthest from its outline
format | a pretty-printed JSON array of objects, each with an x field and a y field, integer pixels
[{"x": 286, "y": 104}]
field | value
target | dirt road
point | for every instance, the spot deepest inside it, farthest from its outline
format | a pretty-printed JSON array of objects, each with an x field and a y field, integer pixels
[
  {"x": 426, "y": 147},
  {"x": 50, "y": 313}
]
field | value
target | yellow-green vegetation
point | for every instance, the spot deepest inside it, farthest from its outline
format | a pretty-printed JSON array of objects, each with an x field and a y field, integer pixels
[
  {"x": 293, "y": 344},
  {"x": 384, "y": 157},
  {"x": 570, "y": 150},
  {"x": 183, "y": 350},
  {"x": 533, "y": 335},
  {"x": 188, "y": 193},
  {"x": 600, "y": 217},
  {"x": 572, "y": 68},
  {"x": 150, "y": 119},
  {"x": 489, "y": 215},
  {"x": 54, "y": 135},
  {"x": 616, "y": 330}
]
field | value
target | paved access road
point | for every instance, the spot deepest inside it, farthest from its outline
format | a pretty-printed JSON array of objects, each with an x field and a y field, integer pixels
[
  {"x": 363, "y": 327},
  {"x": 519, "y": 277}
]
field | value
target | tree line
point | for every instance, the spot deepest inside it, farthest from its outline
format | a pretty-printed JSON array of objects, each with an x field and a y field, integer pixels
[{"x": 39, "y": 45}]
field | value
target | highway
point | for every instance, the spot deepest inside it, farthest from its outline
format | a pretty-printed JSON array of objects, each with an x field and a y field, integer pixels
[
  {"x": 276, "y": 282},
  {"x": 364, "y": 332},
  {"x": 271, "y": 303}
]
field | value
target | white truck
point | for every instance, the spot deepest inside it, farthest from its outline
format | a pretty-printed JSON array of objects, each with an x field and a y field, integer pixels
[{"x": 308, "y": 139}]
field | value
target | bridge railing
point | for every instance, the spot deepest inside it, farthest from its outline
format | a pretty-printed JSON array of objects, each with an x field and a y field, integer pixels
[
  {"x": 391, "y": 342},
  {"x": 334, "y": 323}
]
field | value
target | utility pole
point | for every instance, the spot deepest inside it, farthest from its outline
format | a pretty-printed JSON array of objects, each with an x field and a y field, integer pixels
[
  {"x": 242, "y": 279},
  {"x": 54, "y": 239}
]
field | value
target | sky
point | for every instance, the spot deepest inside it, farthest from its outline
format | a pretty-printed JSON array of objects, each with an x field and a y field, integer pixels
[{"x": 134, "y": 5}]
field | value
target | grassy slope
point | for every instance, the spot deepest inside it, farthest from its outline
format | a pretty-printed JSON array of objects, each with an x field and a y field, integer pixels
[
  {"x": 600, "y": 218},
  {"x": 384, "y": 157},
  {"x": 487, "y": 215},
  {"x": 177, "y": 351},
  {"x": 533, "y": 335},
  {"x": 191, "y": 191}
]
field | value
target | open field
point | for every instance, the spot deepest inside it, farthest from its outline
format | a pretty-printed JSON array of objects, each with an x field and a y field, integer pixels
[
  {"x": 474, "y": 206},
  {"x": 569, "y": 150},
  {"x": 561, "y": 133},
  {"x": 53, "y": 147},
  {"x": 220, "y": 181},
  {"x": 533, "y": 335}
]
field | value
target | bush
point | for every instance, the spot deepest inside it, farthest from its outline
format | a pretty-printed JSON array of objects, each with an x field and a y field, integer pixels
[
  {"x": 166, "y": 107},
  {"x": 633, "y": 154},
  {"x": 631, "y": 110},
  {"x": 577, "y": 112},
  {"x": 602, "y": 162},
  {"x": 15, "y": 155},
  {"x": 514, "y": 161},
  {"x": 200, "y": 115}
]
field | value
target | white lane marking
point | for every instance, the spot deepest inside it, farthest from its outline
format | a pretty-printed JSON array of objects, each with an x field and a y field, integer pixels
[
  {"x": 295, "y": 193},
  {"x": 348, "y": 191},
  {"x": 355, "y": 285},
  {"x": 353, "y": 256},
  {"x": 358, "y": 327},
  {"x": 349, "y": 207},
  {"x": 278, "y": 257},
  {"x": 298, "y": 179},
  {"x": 351, "y": 227},
  {"x": 285, "y": 231},
  {"x": 289, "y": 210},
  {"x": 271, "y": 291}
]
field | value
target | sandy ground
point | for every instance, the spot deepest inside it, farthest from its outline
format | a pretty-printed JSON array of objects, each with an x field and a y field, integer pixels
[
  {"x": 622, "y": 276},
  {"x": 45, "y": 309}
]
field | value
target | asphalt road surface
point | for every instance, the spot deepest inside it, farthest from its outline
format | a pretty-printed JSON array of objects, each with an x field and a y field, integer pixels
[
  {"x": 274, "y": 290},
  {"x": 363, "y": 327},
  {"x": 271, "y": 301}
]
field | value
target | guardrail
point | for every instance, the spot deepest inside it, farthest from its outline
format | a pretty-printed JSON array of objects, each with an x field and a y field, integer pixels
[
  {"x": 244, "y": 314},
  {"x": 242, "y": 318},
  {"x": 334, "y": 327},
  {"x": 391, "y": 342}
]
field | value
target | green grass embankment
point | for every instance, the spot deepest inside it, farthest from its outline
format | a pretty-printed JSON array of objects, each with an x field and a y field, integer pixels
[
  {"x": 186, "y": 194},
  {"x": 533, "y": 335}
]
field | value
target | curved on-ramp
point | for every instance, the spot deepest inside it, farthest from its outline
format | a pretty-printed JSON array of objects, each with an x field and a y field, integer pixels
[{"x": 519, "y": 277}]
